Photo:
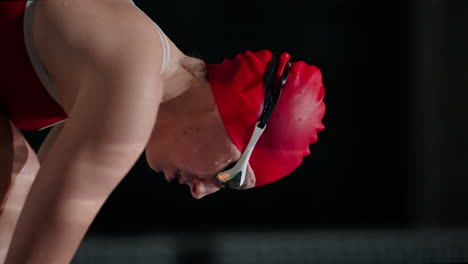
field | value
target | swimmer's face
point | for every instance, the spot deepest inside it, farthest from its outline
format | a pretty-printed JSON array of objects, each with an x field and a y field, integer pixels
[{"x": 190, "y": 137}]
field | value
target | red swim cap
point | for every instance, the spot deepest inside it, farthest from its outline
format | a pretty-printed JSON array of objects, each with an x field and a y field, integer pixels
[{"x": 238, "y": 88}]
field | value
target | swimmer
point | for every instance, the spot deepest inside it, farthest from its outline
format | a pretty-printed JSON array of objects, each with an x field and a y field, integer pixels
[{"x": 113, "y": 86}]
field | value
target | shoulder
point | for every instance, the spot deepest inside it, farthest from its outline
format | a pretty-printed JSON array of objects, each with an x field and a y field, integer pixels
[
  {"x": 105, "y": 31},
  {"x": 118, "y": 57},
  {"x": 112, "y": 43}
]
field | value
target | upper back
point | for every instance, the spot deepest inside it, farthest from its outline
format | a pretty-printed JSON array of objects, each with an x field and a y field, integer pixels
[{"x": 64, "y": 29}]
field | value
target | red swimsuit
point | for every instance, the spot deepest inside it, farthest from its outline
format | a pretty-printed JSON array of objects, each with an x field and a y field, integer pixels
[{"x": 26, "y": 94}]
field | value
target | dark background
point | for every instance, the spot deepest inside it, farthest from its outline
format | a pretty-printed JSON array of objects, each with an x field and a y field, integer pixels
[{"x": 394, "y": 151}]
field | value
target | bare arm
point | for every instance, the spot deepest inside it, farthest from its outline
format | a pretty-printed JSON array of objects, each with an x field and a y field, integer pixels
[
  {"x": 105, "y": 134},
  {"x": 23, "y": 172}
]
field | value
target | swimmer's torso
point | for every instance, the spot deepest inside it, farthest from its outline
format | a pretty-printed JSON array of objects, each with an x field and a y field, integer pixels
[{"x": 57, "y": 26}]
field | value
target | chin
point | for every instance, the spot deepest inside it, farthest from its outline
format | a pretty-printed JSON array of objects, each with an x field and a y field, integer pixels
[{"x": 150, "y": 161}]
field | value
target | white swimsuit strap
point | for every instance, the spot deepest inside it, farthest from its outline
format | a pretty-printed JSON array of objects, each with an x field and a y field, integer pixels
[
  {"x": 166, "y": 49},
  {"x": 165, "y": 43}
]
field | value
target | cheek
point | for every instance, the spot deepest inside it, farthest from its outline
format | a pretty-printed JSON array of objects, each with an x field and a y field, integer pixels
[
  {"x": 162, "y": 142},
  {"x": 197, "y": 154},
  {"x": 198, "y": 145},
  {"x": 210, "y": 156}
]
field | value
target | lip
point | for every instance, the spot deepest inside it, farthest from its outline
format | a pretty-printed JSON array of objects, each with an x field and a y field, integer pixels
[
  {"x": 180, "y": 179},
  {"x": 178, "y": 175}
]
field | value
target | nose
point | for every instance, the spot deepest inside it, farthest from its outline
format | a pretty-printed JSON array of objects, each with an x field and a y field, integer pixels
[{"x": 200, "y": 188}]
